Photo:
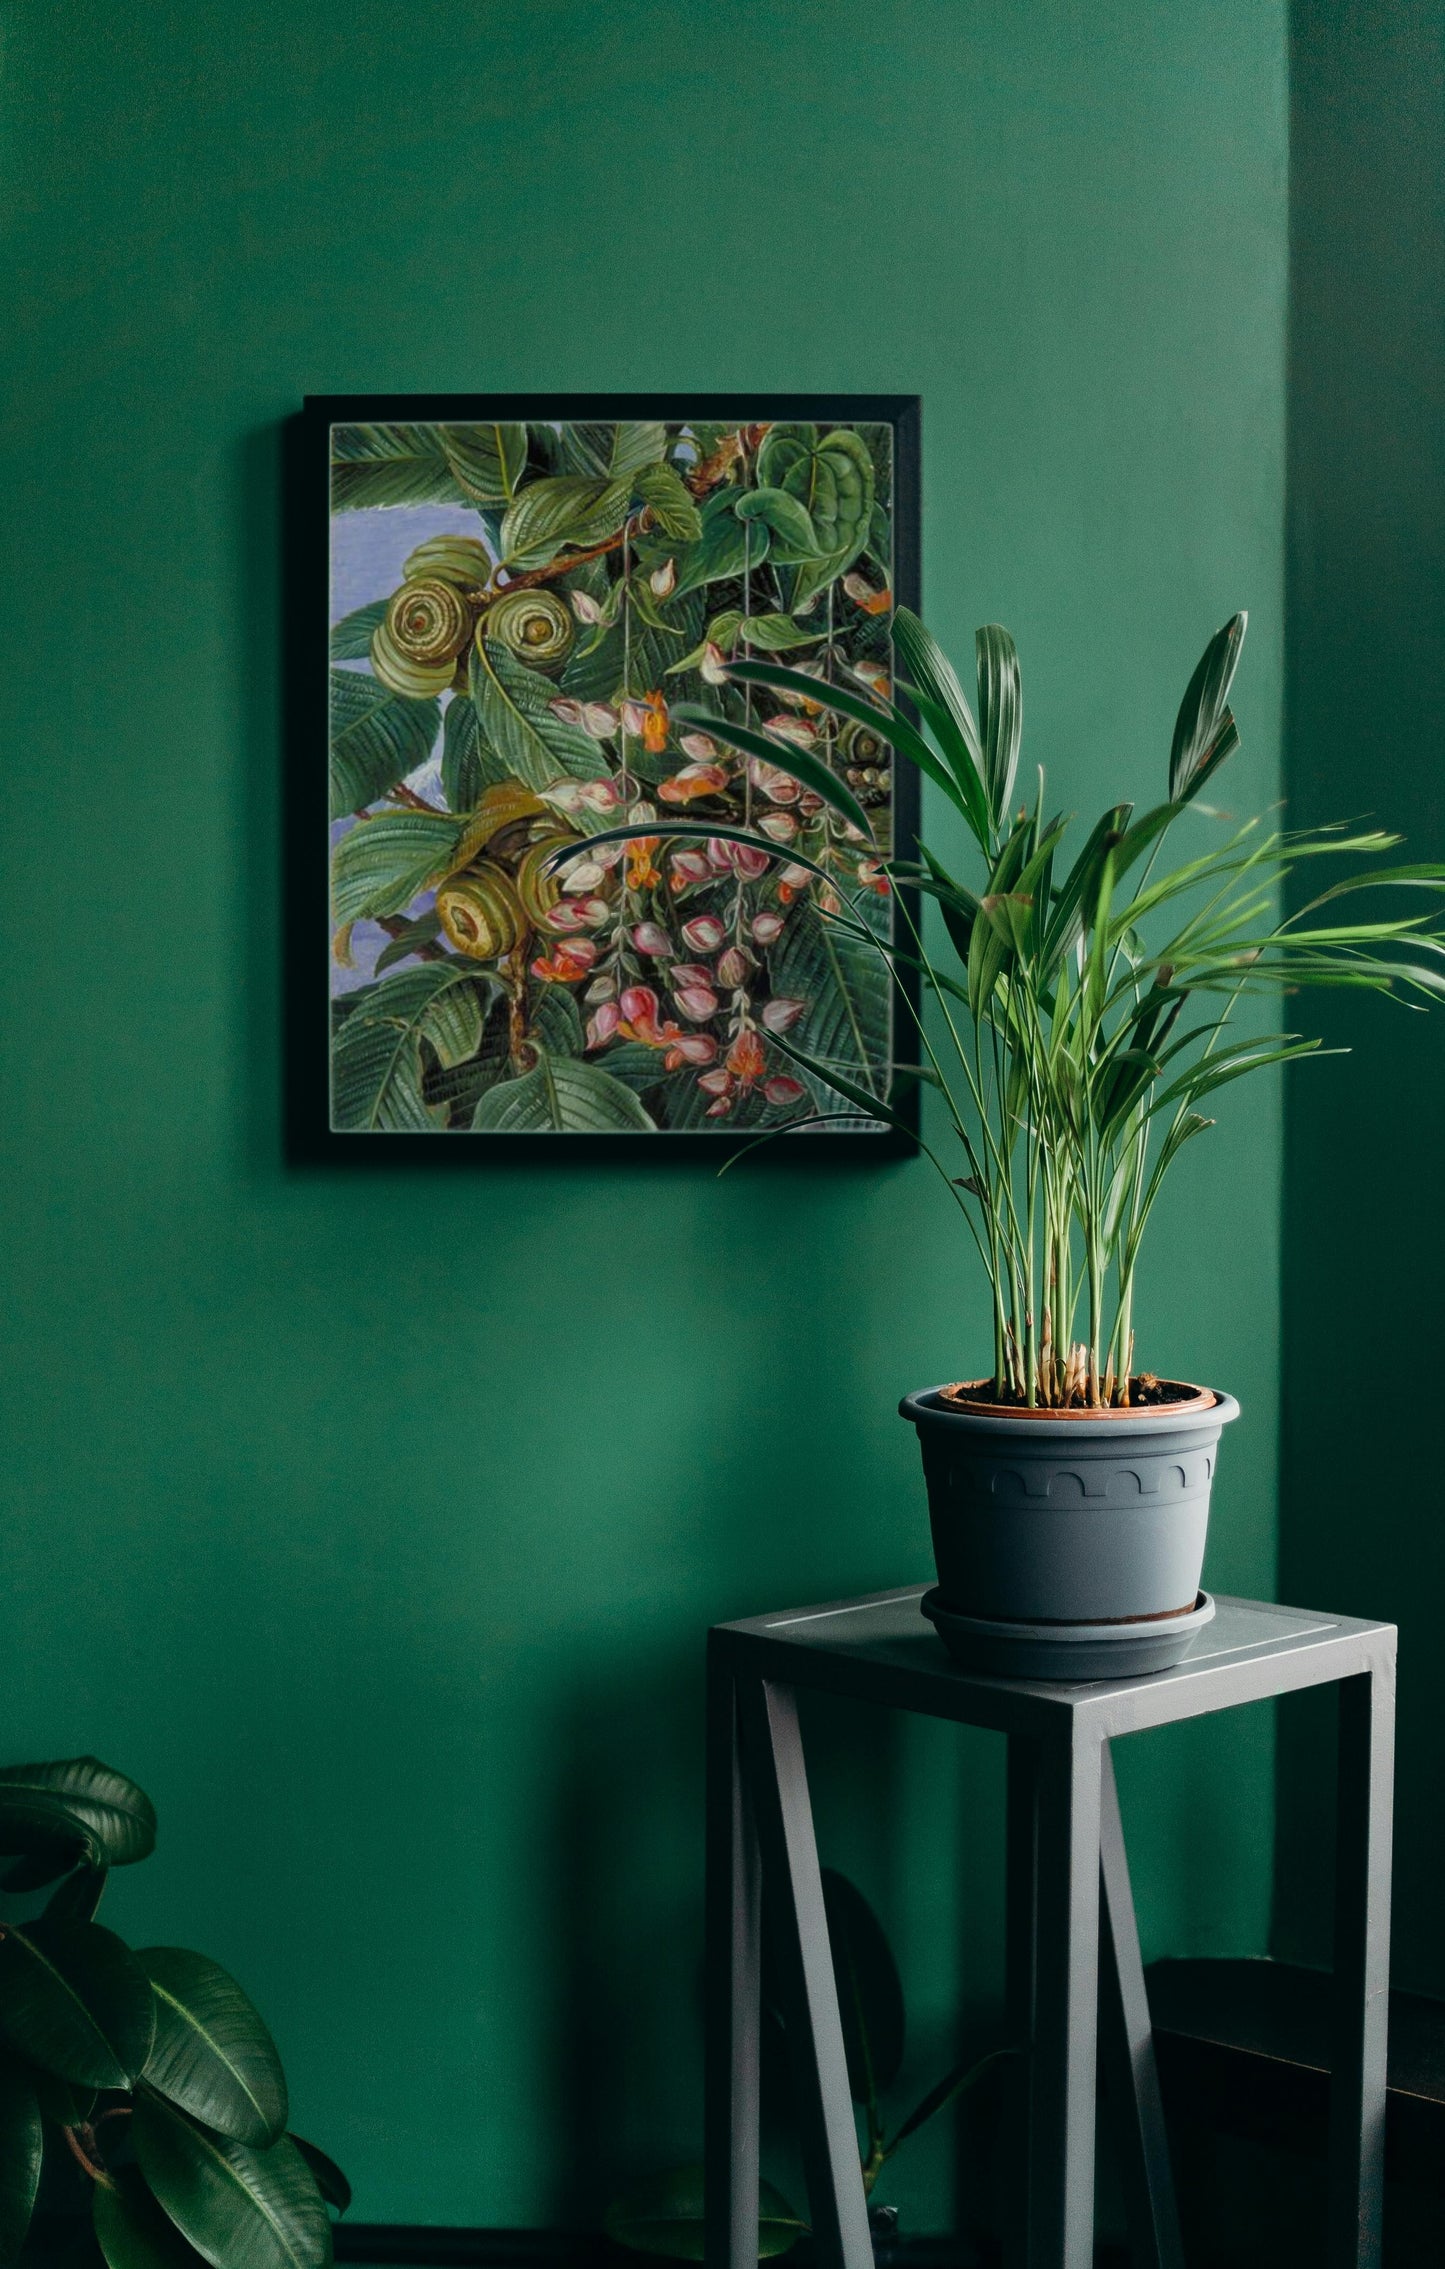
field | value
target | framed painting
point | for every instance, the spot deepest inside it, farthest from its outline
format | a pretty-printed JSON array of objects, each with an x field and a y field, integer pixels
[{"x": 540, "y": 924}]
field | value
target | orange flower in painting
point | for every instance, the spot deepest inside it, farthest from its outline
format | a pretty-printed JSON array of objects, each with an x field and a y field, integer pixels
[
  {"x": 745, "y": 1059},
  {"x": 654, "y": 724},
  {"x": 642, "y": 874}
]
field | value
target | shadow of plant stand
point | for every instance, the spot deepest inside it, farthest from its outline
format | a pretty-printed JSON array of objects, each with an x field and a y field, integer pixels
[{"x": 1068, "y": 1905}]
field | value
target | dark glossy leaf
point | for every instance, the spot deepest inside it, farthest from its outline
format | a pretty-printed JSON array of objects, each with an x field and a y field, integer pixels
[
  {"x": 326, "y": 2174},
  {"x": 351, "y": 637},
  {"x": 1000, "y": 715},
  {"x": 833, "y": 480},
  {"x": 1204, "y": 731},
  {"x": 134, "y": 2231},
  {"x": 665, "y": 2216},
  {"x": 212, "y": 2053},
  {"x": 794, "y": 536},
  {"x": 514, "y": 706},
  {"x": 78, "y": 1896},
  {"x": 74, "y": 1999},
  {"x": 22, "y": 2146},
  {"x": 377, "y": 738},
  {"x": 381, "y": 864},
  {"x": 241, "y": 2208},
  {"x": 561, "y": 1095},
  {"x": 61, "y": 2101},
  {"x": 376, "y": 1067},
  {"x": 79, "y": 1800},
  {"x": 391, "y": 464},
  {"x": 870, "y": 1995}
]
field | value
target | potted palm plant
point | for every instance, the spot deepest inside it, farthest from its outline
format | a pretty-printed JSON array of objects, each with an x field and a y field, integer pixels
[{"x": 1086, "y": 1007}]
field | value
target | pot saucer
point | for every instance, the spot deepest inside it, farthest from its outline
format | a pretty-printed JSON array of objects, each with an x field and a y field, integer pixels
[{"x": 1071, "y": 1651}]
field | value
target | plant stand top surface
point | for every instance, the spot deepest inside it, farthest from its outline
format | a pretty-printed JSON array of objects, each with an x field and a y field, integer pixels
[{"x": 879, "y": 1648}]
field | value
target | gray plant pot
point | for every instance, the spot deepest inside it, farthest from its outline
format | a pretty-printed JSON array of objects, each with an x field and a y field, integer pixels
[{"x": 1068, "y": 1517}]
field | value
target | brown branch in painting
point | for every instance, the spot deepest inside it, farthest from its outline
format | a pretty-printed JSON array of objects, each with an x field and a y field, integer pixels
[{"x": 514, "y": 976}]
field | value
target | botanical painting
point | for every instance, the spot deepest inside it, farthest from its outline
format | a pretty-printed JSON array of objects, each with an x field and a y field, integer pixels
[{"x": 531, "y": 622}]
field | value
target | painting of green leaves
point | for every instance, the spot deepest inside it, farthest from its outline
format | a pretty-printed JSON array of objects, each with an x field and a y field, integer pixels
[{"x": 532, "y": 622}]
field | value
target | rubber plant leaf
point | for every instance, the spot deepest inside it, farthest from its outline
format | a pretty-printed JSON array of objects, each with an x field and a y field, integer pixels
[
  {"x": 75, "y": 2000},
  {"x": 212, "y": 2053},
  {"x": 233, "y": 2203}
]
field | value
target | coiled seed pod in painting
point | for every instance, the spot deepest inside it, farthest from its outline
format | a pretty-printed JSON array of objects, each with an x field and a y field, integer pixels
[{"x": 616, "y": 845}]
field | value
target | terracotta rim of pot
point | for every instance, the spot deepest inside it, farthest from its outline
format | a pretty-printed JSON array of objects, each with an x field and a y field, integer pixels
[{"x": 964, "y": 1400}]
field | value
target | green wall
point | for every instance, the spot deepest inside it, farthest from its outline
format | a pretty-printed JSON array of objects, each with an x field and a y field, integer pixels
[
  {"x": 374, "y": 1519},
  {"x": 1364, "y": 1222}
]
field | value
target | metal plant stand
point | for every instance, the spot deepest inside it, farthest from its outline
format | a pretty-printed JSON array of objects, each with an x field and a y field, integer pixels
[{"x": 1068, "y": 1901}]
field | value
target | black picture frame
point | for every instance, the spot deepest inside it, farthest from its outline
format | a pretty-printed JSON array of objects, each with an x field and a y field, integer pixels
[{"x": 306, "y": 522}]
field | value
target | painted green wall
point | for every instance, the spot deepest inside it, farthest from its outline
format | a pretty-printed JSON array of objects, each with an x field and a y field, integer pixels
[
  {"x": 374, "y": 1520},
  {"x": 1364, "y": 1218}
]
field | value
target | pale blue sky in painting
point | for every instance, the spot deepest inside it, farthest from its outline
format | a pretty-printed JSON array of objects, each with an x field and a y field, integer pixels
[{"x": 367, "y": 552}]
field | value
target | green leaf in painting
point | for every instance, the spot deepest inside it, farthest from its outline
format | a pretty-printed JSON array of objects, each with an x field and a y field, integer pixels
[
  {"x": 391, "y": 464},
  {"x": 235, "y": 2204},
  {"x": 212, "y": 2053},
  {"x": 514, "y": 705},
  {"x": 571, "y": 508},
  {"x": 469, "y": 762},
  {"x": 487, "y": 460},
  {"x": 561, "y": 1095},
  {"x": 667, "y": 497},
  {"x": 351, "y": 637},
  {"x": 775, "y": 634},
  {"x": 21, "y": 2147},
  {"x": 74, "y": 1999},
  {"x": 71, "y": 1806},
  {"x": 424, "y": 931},
  {"x": 376, "y": 739},
  {"x": 726, "y": 547},
  {"x": 615, "y": 452},
  {"x": 376, "y": 1064},
  {"x": 832, "y": 478},
  {"x": 382, "y": 864},
  {"x": 794, "y": 536},
  {"x": 845, "y": 982},
  {"x": 665, "y": 2216},
  {"x": 133, "y": 2229}
]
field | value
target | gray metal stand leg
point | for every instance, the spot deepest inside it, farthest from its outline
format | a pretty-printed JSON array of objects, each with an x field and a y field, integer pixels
[
  {"x": 1154, "y": 2239},
  {"x": 773, "y": 1760},
  {"x": 1066, "y": 2005},
  {"x": 734, "y": 1990},
  {"x": 1362, "y": 1968},
  {"x": 1021, "y": 1928}
]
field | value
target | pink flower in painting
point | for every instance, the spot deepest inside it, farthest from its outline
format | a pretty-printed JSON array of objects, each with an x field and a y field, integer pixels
[
  {"x": 699, "y": 747},
  {"x": 604, "y": 1024},
  {"x": 871, "y": 875},
  {"x": 781, "y": 1014},
  {"x": 578, "y": 914},
  {"x": 698, "y": 1002},
  {"x": 693, "y": 780},
  {"x": 737, "y": 858},
  {"x": 603, "y": 988},
  {"x": 778, "y": 786},
  {"x": 714, "y": 664},
  {"x": 767, "y": 928},
  {"x": 634, "y": 718},
  {"x": 782, "y": 1089},
  {"x": 745, "y": 1059},
  {"x": 580, "y": 877},
  {"x": 794, "y": 729},
  {"x": 690, "y": 1048},
  {"x": 585, "y": 607},
  {"x": 704, "y": 933},
  {"x": 781, "y": 825},
  {"x": 570, "y": 962},
  {"x": 663, "y": 580},
  {"x": 687, "y": 868},
  {"x": 691, "y": 973},
  {"x": 733, "y": 967},
  {"x": 648, "y": 937}
]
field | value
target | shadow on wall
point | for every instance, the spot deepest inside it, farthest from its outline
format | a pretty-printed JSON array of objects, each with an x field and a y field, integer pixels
[{"x": 1364, "y": 1215}]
